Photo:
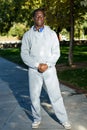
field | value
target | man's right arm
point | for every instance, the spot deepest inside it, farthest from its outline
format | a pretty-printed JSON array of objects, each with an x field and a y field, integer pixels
[{"x": 25, "y": 49}]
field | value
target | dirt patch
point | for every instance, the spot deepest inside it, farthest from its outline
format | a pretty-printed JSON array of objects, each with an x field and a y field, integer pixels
[{"x": 62, "y": 67}]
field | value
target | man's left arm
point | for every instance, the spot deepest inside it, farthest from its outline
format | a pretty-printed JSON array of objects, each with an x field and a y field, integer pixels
[{"x": 51, "y": 61}]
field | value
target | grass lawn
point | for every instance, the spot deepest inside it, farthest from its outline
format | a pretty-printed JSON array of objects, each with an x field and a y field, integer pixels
[
  {"x": 12, "y": 54},
  {"x": 79, "y": 54},
  {"x": 74, "y": 76}
]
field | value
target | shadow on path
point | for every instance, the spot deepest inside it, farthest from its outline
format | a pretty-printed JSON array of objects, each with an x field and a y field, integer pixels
[{"x": 17, "y": 79}]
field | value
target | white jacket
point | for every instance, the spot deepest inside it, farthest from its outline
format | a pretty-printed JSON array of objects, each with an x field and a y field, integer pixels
[{"x": 40, "y": 47}]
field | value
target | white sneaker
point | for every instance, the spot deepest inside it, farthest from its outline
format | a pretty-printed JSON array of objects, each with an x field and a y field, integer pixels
[
  {"x": 36, "y": 124},
  {"x": 67, "y": 125}
]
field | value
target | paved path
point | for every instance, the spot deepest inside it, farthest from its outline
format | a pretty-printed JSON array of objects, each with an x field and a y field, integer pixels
[{"x": 15, "y": 113}]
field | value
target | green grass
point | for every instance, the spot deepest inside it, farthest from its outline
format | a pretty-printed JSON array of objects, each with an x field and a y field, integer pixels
[
  {"x": 12, "y": 54},
  {"x": 79, "y": 54},
  {"x": 75, "y": 77}
]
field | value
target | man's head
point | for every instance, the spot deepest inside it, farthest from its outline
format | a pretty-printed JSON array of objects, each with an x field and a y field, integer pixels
[{"x": 38, "y": 17}]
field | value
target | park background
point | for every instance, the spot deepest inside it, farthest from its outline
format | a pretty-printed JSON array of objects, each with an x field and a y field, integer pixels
[{"x": 67, "y": 17}]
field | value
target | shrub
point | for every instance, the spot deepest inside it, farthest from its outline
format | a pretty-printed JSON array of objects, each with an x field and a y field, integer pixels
[{"x": 18, "y": 30}]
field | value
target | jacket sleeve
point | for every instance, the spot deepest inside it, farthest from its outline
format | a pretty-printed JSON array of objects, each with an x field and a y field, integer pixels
[
  {"x": 25, "y": 55},
  {"x": 55, "y": 51}
]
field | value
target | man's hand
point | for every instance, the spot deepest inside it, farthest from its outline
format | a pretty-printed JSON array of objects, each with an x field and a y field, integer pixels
[{"x": 42, "y": 67}]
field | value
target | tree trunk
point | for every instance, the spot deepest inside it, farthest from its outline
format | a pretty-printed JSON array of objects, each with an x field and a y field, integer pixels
[{"x": 70, "y": 58}]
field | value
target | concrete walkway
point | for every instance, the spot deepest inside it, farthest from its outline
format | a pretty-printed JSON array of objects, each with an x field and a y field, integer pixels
[{"x": 15, "y": 112}]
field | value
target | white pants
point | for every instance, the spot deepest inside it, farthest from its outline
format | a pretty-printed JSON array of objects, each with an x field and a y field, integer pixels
[{"x": 52, "y": 85}]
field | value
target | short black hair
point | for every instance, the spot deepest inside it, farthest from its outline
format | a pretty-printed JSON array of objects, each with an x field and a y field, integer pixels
[{"x": 39, "y": 9}]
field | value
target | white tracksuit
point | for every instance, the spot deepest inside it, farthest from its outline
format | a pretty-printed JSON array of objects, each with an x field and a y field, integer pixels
[{"x": 43, "y": 47}]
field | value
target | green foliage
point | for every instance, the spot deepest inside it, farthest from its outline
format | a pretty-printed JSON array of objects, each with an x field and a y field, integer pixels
[
  {"x": 57, "y": 11},
  {"x": 17, "y": 30},
  {"x": 16, "y": 11},
  {"x": 5, "y": 15}
]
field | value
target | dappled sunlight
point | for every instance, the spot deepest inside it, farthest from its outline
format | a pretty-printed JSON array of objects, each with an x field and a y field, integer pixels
[
  {"x": 21, "y": 68},
  {"x": 80, "y": 127},
  {"x": 46, "y": 105}
]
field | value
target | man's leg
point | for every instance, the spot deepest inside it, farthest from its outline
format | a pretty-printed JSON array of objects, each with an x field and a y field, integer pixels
[
  {"x": 35, "y": 85},
  {"x": 52, "y": 84}
]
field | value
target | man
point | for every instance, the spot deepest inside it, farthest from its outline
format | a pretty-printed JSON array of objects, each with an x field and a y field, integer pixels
[{"x": 40, "y": 51}]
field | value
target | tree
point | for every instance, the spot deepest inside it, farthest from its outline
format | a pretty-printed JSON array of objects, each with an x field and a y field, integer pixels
[
  {"x": 71, "y": 32},
  {"x": 64, "y": 14},
  {"x": 5, "y": 15},
  {"x": 16, "y": 11},
  {"x": 58, "y": 12}
]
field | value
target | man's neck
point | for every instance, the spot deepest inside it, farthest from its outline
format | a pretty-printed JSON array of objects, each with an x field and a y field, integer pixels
[{"x": 38, "y": 27}]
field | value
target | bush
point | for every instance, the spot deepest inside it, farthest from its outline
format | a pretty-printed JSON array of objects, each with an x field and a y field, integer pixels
[{"x": 18, "y": 30}]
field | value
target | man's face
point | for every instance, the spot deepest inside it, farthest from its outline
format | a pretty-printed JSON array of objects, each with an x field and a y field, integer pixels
[{"x": 39, "y": 19}]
